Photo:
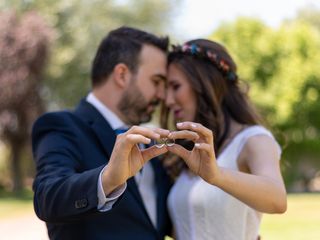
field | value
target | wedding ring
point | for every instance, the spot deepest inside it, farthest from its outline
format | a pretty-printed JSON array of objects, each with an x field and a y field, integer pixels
[
  {"x": 161, "y": 142},
  {"x": 170, "y": 142}
]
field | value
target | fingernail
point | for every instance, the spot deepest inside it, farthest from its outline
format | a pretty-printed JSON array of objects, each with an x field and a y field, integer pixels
[
  {"x": 197, "y": 144},
  {"x": 193, "y": 125},
  {"x": 179, "y": 124}
]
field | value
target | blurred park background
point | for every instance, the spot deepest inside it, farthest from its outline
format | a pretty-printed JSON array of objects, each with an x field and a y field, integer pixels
[{"x": 46, "y": 48}]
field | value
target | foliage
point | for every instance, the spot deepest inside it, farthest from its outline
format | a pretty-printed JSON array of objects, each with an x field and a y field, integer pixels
[
  {"x": 80, "y": 26},
  {"x": 301, "y": 221},
  {"x": 23, "y": 50},
  {"x": 76, "y": 28},
  {"x": 310, "y": 15},
  {"x": 281, "y": 66}
]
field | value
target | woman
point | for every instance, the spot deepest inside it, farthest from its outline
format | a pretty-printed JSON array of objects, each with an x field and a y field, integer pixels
[{"x": 232, "y": 173}]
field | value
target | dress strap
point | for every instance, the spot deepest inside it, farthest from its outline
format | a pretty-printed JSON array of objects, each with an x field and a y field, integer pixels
[{"x": 254, "y": 131}]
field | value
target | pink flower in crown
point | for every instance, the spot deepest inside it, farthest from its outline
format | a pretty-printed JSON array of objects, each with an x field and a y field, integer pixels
[
  {"x": 210, "y": 55},
  {"x": 185, "y": 47}
]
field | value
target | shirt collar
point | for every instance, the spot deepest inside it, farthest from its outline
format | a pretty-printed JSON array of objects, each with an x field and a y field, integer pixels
[{"x": 114, "y": 121}]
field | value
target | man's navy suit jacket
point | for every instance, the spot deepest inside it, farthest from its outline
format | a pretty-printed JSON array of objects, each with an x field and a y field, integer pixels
[{"x": 70, "y": 150}]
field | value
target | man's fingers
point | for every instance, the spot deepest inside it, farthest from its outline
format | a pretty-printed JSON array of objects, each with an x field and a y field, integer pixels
[
  {"x": 162, "y": 132},
  {"x": 147, "y": 132},
  {"x": 136, "y": 138}
]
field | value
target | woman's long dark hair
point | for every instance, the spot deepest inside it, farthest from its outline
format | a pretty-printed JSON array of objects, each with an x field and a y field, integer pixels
[{"x": 219, "y": 99}]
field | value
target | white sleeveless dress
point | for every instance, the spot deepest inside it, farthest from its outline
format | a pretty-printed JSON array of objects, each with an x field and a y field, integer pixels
[{"x": 201, "y": 211}]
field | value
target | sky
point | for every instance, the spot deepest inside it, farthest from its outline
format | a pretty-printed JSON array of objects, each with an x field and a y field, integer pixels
[{"x": 199, "y": 18}]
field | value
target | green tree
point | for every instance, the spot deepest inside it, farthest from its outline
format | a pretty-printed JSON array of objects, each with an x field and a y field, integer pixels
[
  {"x": 24, "y": 46},
  {"x": 281, "y": 66},
  {"x": 79, "y": 25},
  {"x": 310, "y": 15}
]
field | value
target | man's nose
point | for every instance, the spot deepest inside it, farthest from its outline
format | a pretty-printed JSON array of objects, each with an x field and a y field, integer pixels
[{"x": 161, "y": 93}]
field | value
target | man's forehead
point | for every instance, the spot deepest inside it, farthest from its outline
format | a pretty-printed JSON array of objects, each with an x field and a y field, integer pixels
[
  {"x": 149, "y": 51},
  {"x": 154, "y": 61}
]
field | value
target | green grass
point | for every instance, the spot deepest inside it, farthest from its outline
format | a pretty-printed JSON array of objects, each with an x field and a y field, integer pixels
[
  {"x": 12, "y": 205},
  {"x": 300, "y": 222}
]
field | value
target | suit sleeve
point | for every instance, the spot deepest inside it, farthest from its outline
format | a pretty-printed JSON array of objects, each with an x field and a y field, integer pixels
[{"x": 63, "y": 191}]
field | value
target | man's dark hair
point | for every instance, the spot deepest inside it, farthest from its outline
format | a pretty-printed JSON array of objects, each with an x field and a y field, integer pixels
[{"x": 122, "y": 45}]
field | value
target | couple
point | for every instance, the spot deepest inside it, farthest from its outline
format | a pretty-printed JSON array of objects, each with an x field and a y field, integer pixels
[{"x": 97, "y": 178}]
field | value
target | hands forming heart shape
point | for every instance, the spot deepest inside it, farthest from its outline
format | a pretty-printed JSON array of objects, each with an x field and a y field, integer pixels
[
  {"x": 127, "y": 158},
  {"x": 161, "y": 142},
  {"x": 201, "y": 159}
]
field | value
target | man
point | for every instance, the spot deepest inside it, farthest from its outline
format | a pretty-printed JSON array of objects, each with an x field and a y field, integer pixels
[{"x": 84, "y": 187}]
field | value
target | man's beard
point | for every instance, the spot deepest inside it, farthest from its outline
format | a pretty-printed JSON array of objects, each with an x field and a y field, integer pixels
[{"x": 134, "y": 106}]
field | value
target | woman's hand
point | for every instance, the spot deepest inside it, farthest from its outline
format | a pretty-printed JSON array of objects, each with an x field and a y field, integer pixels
[
  {"x": 261, "y": 188},
  {"x": 201, "y": 159}
]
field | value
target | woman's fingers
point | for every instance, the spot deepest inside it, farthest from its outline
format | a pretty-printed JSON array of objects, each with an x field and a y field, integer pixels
[
  {"x": 184, "y": 134},
  {"x": 204, "y": 147},
  {"x": 198, "y": 128},
  {"x": 180, "y": 151}
]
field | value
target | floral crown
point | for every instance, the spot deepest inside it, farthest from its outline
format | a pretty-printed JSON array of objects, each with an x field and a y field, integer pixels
[{"x": 221, "y": 64}]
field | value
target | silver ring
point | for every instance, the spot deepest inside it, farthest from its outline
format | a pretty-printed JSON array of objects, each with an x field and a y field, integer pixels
[{"x": 161, "y": 142}]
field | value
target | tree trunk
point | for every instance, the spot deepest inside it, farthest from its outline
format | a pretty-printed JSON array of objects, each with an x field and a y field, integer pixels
[{"x": 16, "y": 173}]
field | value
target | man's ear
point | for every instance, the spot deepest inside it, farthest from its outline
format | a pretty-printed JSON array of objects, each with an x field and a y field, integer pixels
[{"x": 122, "y": 74}]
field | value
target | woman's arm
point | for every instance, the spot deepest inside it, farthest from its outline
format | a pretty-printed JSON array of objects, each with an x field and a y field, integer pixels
[{"x": 262, "y": 188}]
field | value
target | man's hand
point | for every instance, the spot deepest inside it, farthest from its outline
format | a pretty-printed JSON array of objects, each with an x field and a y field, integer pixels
[{"x": 127, "y": 159}]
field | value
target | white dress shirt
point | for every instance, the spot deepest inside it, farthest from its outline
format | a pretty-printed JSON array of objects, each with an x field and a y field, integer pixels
[
  {"x": 144, "y": 179},
  {"x": 105, "y": 203}
]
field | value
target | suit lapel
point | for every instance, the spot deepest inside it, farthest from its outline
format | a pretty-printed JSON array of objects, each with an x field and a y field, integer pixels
[
  {"x": 105, "y": 135},
  {"x": 98, "y": 124},
  {"x": 159, "y": 194},
  {"x": 107, "y": 138}
]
